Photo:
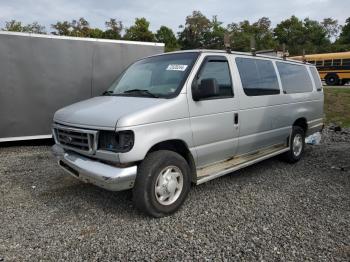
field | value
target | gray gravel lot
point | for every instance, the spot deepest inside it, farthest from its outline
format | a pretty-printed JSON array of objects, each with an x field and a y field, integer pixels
[{"x": 270, "y": 211}]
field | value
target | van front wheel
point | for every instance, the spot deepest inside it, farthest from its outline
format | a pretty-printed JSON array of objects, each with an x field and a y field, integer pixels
[
  {"x": 296, "y": 145},
  {"x": 162, "y": 183}
]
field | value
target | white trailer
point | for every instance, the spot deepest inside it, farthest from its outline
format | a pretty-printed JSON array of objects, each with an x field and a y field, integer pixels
[{"x": 42, "y": 73}]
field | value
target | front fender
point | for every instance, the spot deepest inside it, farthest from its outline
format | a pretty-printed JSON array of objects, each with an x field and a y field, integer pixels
[{"x": 146, "y": 136}]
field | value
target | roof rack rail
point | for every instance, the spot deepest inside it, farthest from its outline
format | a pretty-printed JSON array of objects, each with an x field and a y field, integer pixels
[
  {"x": 303, "y": 57},
  {"x": 285, "y": 53},
  {"x": 227, "y": 43},
  {"x": 252, "y": 45}
]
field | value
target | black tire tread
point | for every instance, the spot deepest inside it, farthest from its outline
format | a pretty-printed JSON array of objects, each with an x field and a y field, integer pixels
[
  {"x": 141, "y": 194},
  {"x": 289, "y": 155}
]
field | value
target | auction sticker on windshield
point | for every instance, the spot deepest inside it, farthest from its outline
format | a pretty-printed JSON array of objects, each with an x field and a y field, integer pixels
[{"x": 176, "y": 67}]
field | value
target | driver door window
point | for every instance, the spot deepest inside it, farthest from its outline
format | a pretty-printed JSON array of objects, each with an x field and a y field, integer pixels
[{"x": 217, "y": 69}]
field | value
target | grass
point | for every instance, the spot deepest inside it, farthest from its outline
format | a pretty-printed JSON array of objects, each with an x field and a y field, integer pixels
[{"x": 337, "y": 105}]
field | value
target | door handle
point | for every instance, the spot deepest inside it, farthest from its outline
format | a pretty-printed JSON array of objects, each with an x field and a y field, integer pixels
[{"x": 236, "y": 118}]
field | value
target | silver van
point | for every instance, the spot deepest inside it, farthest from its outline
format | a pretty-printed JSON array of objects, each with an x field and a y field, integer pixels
[{"x": 182, "y": 118}]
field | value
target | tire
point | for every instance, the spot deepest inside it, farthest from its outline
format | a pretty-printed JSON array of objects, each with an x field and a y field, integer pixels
[
  {"x": 295, "y": 153},
  {"x": 161, "y": 169},
  {"x": 332, "y": 79}
]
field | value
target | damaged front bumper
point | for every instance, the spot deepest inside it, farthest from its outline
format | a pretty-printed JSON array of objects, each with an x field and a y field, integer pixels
[{"x": 94, "y": 172}]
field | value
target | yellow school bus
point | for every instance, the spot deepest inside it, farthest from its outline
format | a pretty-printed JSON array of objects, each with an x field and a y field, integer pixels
[{"x": 334, "y": 68}]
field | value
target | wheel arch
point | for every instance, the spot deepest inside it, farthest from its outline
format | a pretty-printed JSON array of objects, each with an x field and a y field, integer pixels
[
  {"x": 301, "y": 122},
  {"x": 179, "y": 146}
]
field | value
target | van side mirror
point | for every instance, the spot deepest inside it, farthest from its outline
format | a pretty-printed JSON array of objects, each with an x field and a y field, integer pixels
[{"x": 206, "y": 89}]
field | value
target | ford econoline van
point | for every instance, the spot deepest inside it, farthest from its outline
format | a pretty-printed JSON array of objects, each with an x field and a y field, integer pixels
[{"x": 177, "y": 119}]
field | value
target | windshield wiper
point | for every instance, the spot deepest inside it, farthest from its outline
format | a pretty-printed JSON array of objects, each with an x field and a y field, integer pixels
[
  {"x": 141, "y": 91},
  {"x": 107, "y": 93}
]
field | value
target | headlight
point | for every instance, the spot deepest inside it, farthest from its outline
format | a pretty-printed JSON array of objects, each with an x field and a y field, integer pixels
[{"x": 120, "y": 142}]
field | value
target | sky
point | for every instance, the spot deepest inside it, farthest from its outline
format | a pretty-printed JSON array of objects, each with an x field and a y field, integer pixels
[{"x": 171, "y": 13}]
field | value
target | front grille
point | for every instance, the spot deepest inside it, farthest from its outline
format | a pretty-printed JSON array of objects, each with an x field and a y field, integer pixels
[
  {"x": 73, "y": 139},
  {"x": 81, "y": 139}
]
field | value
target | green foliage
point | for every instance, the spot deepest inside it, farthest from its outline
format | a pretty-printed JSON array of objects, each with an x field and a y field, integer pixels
[
  {"x": 197, "y": 26},
  {"x": 114, "y": 29},
  {"x": 344, "y": 37},
  {"x": 166, "y": 35},
  {"x": 139, "y": 31},
  {"x": 309, "y": 35},
  {"x": 343, "y": 41},
  {"x": 201, "y": 32},
  {"x": 214, "y": 38},
  {"x": 13, "y": 26},
  {"x": 16, "y": 26},
  {"x": 292, "y": 33},
  {"x": 62, "y": 28},
  {"x": 331, "y": 27},
  {"x": 96, "y": 33},
  {"x": 81, "y": 28},
  {"x": 260, "y": 31}
]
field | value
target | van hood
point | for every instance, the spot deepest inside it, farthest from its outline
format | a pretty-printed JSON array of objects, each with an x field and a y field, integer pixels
[{"x": 104, "y": 111}]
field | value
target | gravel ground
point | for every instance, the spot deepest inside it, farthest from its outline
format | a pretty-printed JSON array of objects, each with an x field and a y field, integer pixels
[{"x": 270, "y": 211}]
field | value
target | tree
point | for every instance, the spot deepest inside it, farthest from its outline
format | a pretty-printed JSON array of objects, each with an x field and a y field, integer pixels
[
  {"x": 195, "y": 29},
  {"x": 316, "y": 40},
  {"x": 35, "y": 28},
  {"x": 260, "y": 31},
  {"x": 331, "y": 27},
  {"x": 13, "y": 25},
  {"x": 16, "y": 26},
  {"x": 96, "y": 33},
  {"x": 240, "y": 40},
  {"x": 291, "y": 32},
  {"x": 344, "y": 37},
  {"x": 264, "y": 34},
  {"x": 80, "y": 27},
  {"x": 139, "y": 31},
  {"x": 298, "y": 35},
  {"x": 62, "y": 28},
  {"x": 214, "y": 38},
  {"x": 166, "y": 35},
  {"x": 114, "y": 29}
]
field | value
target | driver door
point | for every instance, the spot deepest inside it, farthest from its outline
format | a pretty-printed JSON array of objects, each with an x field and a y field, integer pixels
[{"x": 214, "y": 120}]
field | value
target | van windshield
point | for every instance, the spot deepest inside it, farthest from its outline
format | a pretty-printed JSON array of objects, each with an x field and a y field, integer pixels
[{"x": 159, "y": 76}]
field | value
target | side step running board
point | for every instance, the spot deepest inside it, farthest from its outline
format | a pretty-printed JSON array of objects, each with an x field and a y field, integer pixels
[{"x": 222, "y": 168}]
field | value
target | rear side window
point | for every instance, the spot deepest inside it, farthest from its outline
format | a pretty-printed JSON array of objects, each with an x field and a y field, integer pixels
[
  {"x": 258, "y": 76},
  {"x": 319, "y": 63},
  {"x": 316, "y": 78},
  {"x": 294, "y": 78}
]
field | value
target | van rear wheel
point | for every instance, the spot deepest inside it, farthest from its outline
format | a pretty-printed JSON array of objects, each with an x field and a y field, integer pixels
[
  {"x": 296, "y": 145},
  {"x": 162, "y": 183}
]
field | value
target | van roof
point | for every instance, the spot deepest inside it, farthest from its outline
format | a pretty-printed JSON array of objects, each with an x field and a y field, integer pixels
[{"x": 215, "y": 51}]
